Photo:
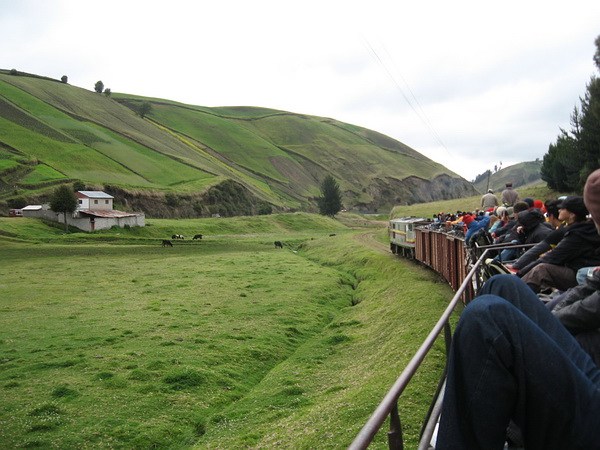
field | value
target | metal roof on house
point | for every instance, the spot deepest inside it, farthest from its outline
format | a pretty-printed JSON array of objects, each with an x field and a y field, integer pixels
[
  {"x": 32, "y": 208},
  {"x": 94, "y": 194},
  {"x": 106, "y": 213}
]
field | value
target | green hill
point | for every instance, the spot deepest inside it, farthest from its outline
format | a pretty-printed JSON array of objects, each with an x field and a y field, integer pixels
[
  {"x": 186, "y": 161},
  {"x": 518, "y": 174}
]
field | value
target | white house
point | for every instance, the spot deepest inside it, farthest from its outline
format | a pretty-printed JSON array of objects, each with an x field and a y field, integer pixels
[
  {"x": 94, "y": 212},
  {"x": 94, "y": 200}
]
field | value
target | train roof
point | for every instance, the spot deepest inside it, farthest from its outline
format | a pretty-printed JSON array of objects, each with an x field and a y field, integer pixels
[{"x": 411, "y": 219}]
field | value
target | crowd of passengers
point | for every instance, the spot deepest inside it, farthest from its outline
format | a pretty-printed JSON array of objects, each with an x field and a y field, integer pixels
[{"x": 527, "y": 349}]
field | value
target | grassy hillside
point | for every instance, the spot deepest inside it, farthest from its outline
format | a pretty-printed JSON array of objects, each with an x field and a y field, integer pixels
[
  {"x": 51, "y": 132},
  {"x": 519, "y": 174},
  {"x": 538, "y": 190},
  {"x": 109, "y": 340}
]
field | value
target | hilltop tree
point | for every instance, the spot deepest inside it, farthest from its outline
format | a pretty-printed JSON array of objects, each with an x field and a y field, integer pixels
[
  {"x": 107, "y": 92},
  {"x": 63, "y": 201},
  {"x": 144, "y": 109},
  {"x": 330, "y": 202},
  {"x": 64, "y": 79},
  {"x": 99, "y": 87}
]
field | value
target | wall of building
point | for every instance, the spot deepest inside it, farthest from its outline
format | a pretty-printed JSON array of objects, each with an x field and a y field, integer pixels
[{"x": 84, "y": 223}]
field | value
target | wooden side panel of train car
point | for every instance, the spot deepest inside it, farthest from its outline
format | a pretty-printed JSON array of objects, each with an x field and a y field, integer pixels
[{"x": 446, "y": 255}]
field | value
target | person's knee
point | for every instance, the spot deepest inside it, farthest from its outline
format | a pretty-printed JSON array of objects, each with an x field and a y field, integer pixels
[
  {"x": 481, "y": 313},
  {"x": 498, "y": 282}
]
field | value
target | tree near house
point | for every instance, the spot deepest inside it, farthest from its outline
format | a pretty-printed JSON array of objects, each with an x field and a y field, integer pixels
[
  {"x": 330, "y": 202},
  {"x": 63, "y": 201}
]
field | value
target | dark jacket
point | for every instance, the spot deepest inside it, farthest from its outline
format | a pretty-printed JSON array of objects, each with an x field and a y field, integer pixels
[
  {"x": 579, "y": 312},
  {"x": 579, "y": 247},
  {"x": 535, "y": 227},
  {"x": 549, "y": 242},
  {"x": 500, "y": 233}
]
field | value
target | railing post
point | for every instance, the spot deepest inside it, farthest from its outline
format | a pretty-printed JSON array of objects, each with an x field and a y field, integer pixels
[{"x": 395, "y": 434}]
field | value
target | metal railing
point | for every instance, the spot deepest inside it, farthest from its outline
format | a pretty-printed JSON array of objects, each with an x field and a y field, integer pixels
[
  {"x": 389, "y": 404},
  {"x": 388, "y": 407}
]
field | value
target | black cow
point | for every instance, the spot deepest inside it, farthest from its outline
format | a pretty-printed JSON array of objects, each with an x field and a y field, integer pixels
[
  {"x": 197, "y": 236},
  {"x": 166, "y": 243},
  {"x": 177, "y": 236},
  {"x": 278, "y": 244}
]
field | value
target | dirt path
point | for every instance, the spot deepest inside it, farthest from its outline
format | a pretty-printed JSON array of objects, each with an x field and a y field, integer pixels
[{"x": 369, "y": 240}]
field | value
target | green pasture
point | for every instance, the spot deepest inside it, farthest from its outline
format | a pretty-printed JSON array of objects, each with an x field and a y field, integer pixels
[
  {"x": 224, "y": 135},
  {"x": 110, "y": 340}
]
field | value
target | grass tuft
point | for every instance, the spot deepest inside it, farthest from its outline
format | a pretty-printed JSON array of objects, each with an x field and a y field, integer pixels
[{"x": 185, "y": 379}]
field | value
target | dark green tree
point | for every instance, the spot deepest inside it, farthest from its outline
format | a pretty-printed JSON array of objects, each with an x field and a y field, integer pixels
[
  {"x": 597, "y": 54},
  {"x": 330, "y": 201},
  {"x": 145, "y": 108},
  {"x": 588, "y": 138},
  {"x": 576, "y": 154},
  {"x": 560, "y": 168},
  {"x": 63, "y": 201},
  {"x": 64, "y": 79},
  {"x": 107, "y": 92},
  {"x": 99, "y": 87}
]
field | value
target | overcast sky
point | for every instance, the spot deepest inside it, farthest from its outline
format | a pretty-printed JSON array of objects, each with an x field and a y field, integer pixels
[{"x": 469, "y": 84}]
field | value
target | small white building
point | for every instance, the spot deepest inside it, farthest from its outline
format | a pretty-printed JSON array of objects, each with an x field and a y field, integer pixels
[
  {"x": 94, "y": 200},
  {"x": 94, "y": 212}
]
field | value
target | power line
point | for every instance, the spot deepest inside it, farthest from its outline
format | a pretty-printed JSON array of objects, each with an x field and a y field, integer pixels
[{"x": 420, "y": 112}]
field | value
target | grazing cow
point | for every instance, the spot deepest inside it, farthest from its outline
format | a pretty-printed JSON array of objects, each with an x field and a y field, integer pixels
[
  {"x": 278, "y": 244},
  {"x": 177, "y": 236},
  {"x": 197, "y": 236},
  {"x": 166, "y": 243}
]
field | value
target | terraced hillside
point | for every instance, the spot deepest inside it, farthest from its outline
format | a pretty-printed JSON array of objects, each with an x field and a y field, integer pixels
[{"x": 52, "y": 132}]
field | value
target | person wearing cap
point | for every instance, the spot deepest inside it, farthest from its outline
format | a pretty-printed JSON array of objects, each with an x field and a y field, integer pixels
[
  {"x": 489, "y": 200},
  {"x": 508, "y": 232},
  {"x": 579, "y": 247},
  {"x": 509, "y": 195},
  {"x": 474, "y": 224},
  {"x": 512, "y": 359},
  {"x": 531, "y": 228}
]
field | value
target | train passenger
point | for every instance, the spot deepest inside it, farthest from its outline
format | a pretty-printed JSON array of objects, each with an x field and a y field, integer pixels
[
  {"x": 489, "y": 200},
  {"x": 509, "y": 195},
  {"x": 531, "y": 229},
  {"x": 509, "y": 233},
  {"x": 474, "y": 224},
  {"x": 513, "y": 359},
  {"x": 579, "y": 247},
  {"x": 552, "y": 213},
  {"x": 502, "y": 215}
]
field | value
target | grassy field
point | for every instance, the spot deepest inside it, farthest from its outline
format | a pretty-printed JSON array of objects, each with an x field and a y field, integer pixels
[{"x": 110, "y": 340}]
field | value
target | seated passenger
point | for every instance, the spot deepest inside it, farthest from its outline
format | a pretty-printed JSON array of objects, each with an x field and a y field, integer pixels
[
  {"x": 531, "y": 229},
  {"x": 509, "y": 231},
  {"x": 548, "y": 243},
  {"x": 552, "y": 213},
  {"x": 580, "y": 247},
  {"x": 512, "y": 359},
  {"x": 503, "y": 218},
  {"x": 474, "y": 224}
]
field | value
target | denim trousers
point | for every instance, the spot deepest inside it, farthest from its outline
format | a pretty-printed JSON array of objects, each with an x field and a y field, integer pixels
[{"x": 512, "y": 359}]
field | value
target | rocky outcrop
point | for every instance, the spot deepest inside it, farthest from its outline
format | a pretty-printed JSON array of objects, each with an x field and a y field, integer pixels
[{"x": 389, "y": 192}]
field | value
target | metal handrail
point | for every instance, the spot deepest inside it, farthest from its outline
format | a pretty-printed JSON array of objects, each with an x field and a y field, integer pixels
[{"x": 389, "y": 404}]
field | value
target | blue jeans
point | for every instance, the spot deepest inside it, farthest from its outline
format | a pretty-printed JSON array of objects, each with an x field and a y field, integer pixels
[{"x": 512, "y": 359}]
